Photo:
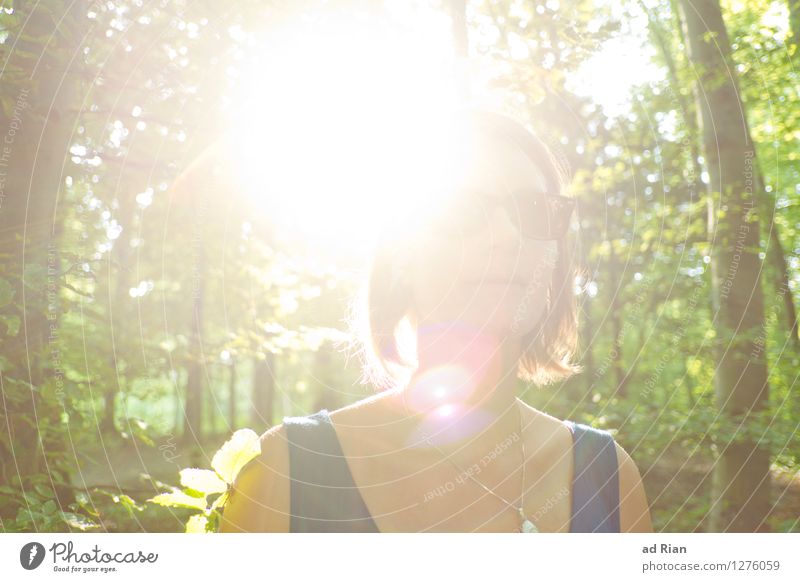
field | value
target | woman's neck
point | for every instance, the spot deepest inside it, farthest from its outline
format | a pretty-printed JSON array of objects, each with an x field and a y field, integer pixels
[{"x": 464, "y": 390}]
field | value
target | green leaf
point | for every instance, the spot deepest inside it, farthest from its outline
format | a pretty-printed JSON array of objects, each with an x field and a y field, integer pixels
[
  {"x": 220, "y": 502},
  {"x": 203, "y": 480},
  {"x": 44, "y": 491},
  {"x": 78, "y": 521},
  {"x": 242, "y": 447},
  {"x": 128, "y": 503},
  {"x": 32, "y": 499},
  {"x": 213, "y": 522},
  {"x": 26, "y": 515},
  {"x": 194, "y": 492},
  {"x": 177, "y": 498},
  {"x": 196, "y": 524},
  {"x": 12, "y": 323}
]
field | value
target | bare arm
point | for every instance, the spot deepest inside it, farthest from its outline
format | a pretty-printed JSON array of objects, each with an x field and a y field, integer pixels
[
  {"x": 634, "y": 513},
  {"x": 259, "y": 500}
]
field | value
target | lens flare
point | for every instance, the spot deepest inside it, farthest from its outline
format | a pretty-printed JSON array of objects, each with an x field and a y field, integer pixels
[{"x": 457, "y": 361}]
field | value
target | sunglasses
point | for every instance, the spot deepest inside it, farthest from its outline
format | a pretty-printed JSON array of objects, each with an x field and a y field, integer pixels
[{"x": 536, "y": 215}]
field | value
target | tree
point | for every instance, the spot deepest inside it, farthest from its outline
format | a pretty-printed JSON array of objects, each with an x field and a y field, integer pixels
[
  {"x": 741, "y": 476},
  {"x": 38, "y": 90}
]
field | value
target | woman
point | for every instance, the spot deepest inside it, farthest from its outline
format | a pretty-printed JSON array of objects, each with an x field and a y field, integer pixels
[{"x": 482, "y": 286}]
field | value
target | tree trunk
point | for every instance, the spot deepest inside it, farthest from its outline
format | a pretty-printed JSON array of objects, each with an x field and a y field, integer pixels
[
  {"x": 615, "y": 269},
  {"x": 120, "y": 305},
  {"x": 458, "y": 27},
  {"x": 36, "y": 125},
  {"x": 232, "y": 396},
  {"x": 194, "y": 380},
  {"x": 740, "y": 496},
  {"x": 458, "y": 18},
  {"x": 775, "y": 255},
  {"x": 263, "y": 392}
]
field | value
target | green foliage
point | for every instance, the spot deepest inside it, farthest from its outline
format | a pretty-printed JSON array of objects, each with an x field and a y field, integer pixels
[
  {"x": 207, "y": 490},
  {"x": 39, "y": 508},
  {"x": 101, "y": 328},
  {"x": 235, "y": 454}
]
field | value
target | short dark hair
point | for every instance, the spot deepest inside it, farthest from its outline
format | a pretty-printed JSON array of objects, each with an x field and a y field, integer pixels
[{"x": 381, "y": 306}]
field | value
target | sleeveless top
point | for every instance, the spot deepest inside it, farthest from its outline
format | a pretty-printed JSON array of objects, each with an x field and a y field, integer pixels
[{"x": 324, "y": 497}]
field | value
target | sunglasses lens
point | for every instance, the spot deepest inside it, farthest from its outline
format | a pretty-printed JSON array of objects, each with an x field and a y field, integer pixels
[{"x": 536, "y": 215}]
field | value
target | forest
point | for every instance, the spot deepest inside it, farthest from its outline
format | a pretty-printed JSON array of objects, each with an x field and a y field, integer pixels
[{"x": 187, "y": 196}]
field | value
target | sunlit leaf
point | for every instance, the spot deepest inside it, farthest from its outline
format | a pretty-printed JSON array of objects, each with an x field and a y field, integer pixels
[
  {"x": 236, "y": 453},
  {"x": 202, "y": 480},
  {"x": 178, "y": 498},
  {"x": 197, "y": 524}
]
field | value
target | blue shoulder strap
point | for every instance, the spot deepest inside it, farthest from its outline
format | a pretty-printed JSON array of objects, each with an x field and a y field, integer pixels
[
  {"x": 595, "y": 485},
  {"x": 323, "y": 495}
]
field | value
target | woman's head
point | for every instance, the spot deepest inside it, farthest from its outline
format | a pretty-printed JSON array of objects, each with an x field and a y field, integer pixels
[{"x": 490, "y": 252}]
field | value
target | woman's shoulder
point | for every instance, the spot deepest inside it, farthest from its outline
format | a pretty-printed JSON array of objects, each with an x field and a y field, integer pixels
[
  {"x": 370, "y": 410},
  {"x": 548, "y": 433},
  {"x": 634, "y": 514},
  {"x": 260, "y": 495},
  {"x": 574, "y": 429}
]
